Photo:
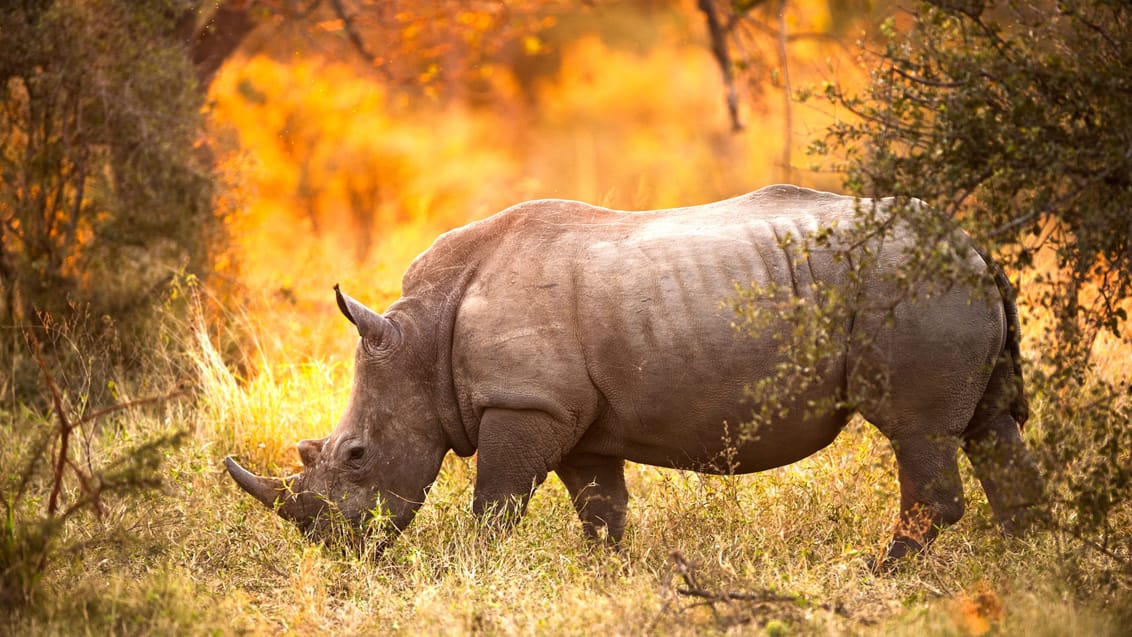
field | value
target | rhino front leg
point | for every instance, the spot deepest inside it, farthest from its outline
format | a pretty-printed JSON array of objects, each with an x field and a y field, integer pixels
[
  {"x": 597, "y": 487},
  {"x": 931, "y": 493},
  {"x": 516, "y": 449}
]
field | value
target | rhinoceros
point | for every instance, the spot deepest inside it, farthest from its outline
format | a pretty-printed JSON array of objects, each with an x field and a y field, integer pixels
[{"x": 560, "y": 336}]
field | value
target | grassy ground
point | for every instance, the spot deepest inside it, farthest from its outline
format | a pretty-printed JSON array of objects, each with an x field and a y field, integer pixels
[{"x": 790, "y": 547}]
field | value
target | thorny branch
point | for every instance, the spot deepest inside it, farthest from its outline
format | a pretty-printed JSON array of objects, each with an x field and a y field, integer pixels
[{"x": 67, "y": 426}]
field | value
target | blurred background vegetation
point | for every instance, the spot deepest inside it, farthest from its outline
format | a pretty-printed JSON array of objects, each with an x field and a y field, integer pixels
[{"x": 182, "y": 182}]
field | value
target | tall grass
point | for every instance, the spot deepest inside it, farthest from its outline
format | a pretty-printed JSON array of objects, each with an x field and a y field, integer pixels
[{"x": 261, "y": 415}]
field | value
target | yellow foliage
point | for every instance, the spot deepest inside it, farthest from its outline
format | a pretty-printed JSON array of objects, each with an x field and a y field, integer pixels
[{"x": 343, "y": 180}]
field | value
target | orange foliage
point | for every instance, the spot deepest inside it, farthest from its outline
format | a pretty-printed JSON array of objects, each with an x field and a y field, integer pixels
[
  {"x": 344, "y": 180},
  {"x": 979, "y": 611}
]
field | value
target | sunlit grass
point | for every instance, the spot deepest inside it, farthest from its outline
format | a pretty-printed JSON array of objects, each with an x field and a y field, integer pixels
[
  {"x": 209, "y": 559},
  {"x": 203, "y": 558},
  {"x": 262, "y": 415}
]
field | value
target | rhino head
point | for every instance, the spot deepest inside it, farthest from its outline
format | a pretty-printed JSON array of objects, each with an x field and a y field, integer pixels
[{"x": 371, "y": 474}]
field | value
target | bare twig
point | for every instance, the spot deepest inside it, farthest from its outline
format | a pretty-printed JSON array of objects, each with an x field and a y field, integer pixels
[
  {"x": 687, "y": 571},
  {"x": 916, "y": 79},
  {"x": 727, "y": 596},
  {"x": 65, "y": 425},
  {"x": 1014, "y": 223},
  {"x": 150, "y": 400}
]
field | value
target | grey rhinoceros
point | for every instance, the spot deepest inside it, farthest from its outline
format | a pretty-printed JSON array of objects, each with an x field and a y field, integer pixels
[{"x": 560, "y": 336}]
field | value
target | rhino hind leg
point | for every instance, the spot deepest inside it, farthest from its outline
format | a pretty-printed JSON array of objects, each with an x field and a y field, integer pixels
[
  {"x": 597, "y": 488},
  {"x": 1008, "y": 473},
  {"x": 931, "y": 494},
  {"x": 993, "y": 443}
]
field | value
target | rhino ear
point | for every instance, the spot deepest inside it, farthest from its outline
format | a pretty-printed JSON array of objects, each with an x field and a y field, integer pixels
[
  {"x": 310, "y": 450},
  {"x": 371, "y": 326}
]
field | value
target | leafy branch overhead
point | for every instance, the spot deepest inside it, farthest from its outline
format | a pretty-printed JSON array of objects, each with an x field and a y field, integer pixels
[
  {"x": 1012, "y": 121},
  {"x": 440, "y": 43}
]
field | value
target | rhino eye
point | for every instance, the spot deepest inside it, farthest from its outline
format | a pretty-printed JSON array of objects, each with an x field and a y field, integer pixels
[{"x": 355, "y": 453}]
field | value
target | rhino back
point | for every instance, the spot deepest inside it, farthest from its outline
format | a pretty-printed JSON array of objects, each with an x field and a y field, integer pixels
[
  {"x": 617, "y": 321},
  {"x": 659, "y": 337}
]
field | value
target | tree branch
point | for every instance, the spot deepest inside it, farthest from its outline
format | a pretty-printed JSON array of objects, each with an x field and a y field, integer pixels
[
  {"x": 926, "y": 82},
  {"x": 356, "y": 39},
  {"x": 722, "y": 54},
  {"x": 65, "y": 425},
  {"x": 219, "y": 38},
  {"x": 692, "y": 588}
]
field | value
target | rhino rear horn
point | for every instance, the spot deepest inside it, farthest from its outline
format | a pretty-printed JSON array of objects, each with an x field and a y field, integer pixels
[
  {"x": 266, "y": 490},
  {"x": 370, "y": 324}
]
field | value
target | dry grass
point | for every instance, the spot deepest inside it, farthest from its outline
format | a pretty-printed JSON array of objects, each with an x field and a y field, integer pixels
[{"x": 202, "y": 558}]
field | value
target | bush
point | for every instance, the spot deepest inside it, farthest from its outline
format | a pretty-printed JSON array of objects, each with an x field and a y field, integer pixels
[{"x": 104, "y": 198}]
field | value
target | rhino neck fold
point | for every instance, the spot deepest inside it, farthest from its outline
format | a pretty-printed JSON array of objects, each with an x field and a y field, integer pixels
[
  {"x": 432, "y": 321},
  {"x": 455, "y": 429}
]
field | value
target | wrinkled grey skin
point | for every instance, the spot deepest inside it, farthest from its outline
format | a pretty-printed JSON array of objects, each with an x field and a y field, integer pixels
[{"x": 559, "y": 336}]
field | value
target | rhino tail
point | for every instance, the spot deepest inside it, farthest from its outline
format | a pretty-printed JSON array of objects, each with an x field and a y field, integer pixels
[{"x": 1012, "y": 353}]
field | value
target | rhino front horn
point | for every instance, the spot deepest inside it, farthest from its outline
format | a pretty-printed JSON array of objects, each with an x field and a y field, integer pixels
[{"x": 266, "y": 490}]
